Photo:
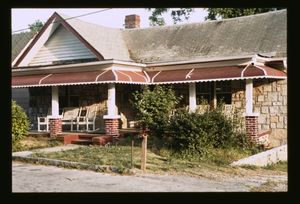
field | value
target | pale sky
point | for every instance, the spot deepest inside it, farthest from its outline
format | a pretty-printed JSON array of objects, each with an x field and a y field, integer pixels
[{"x": 111, "y": 18}]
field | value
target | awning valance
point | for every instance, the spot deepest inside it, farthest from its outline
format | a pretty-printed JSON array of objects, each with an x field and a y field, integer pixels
[
  {"x": 214, "y": 74},
  {"x": 151, "y": 77},
  {"x": 79, "y": 78}
]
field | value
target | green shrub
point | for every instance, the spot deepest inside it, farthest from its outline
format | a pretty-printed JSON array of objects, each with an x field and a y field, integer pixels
[
  {"x": 196, "y": 134},
  {"x": 19, "y": 123},
  {"x": 153, "y": 108}
]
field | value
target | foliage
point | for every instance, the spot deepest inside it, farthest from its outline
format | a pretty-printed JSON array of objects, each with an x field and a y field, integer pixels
[
  {"x": 196, "y": 134},
  {"x": 224, "y": 13},
  {"x": 153, "y": 108},
  {"x": 156, "y": 20},
  {"x": 36, "y": 26},
  {"x": 19, "y": 123}
]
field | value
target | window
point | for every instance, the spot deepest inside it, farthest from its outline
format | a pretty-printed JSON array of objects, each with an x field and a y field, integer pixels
[
  {"x": 223, "y": 90},
  {"x": 68, "y": 96},
  {"x": 203, "y": 90}
]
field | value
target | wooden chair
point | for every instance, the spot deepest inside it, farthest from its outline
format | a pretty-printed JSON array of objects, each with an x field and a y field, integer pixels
[
  {"x": 69, "y": 116},
  {"x": 44, "y": 120},
  {"x": 88, "y": 119}
]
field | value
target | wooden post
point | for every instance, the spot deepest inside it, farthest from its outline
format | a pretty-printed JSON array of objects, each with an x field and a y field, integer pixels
[
  {"x": 144, "y": 153},
  {"x": 132, "y": 143}
]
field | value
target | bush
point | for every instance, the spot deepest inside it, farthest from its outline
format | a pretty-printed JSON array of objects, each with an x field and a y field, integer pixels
[
  {"x": 196, "y": 134},
  {"x": 153, "y": 108},
  {"x": 19, "y": 123}
]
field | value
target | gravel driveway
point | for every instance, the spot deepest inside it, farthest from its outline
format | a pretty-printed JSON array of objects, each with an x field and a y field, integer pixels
[{"x": 38, "y": 178}]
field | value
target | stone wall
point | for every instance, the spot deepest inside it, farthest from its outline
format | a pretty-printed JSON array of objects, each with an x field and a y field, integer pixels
[{"x": 270, "y": 100}]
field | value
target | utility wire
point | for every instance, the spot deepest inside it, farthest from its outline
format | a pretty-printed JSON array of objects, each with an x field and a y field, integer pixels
[{"x": 66, "y": 19}]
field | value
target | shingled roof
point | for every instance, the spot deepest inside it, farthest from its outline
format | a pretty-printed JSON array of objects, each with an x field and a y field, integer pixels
[
  {"x": 257, "y": 34},
  {"x": 18, "y": 42},
  {"x": 107, "y": 41},
  {"x": 261, "y": 33}
]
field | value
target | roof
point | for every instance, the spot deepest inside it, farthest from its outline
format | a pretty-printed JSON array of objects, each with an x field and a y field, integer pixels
[
  {"x": 261, "y": 33},
  {"x": 107, "y": 41},
  {"x": 18, "y": 42}
]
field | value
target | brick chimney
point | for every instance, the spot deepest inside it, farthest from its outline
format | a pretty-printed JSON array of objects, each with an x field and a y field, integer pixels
[{"x": 132, "y": 21}]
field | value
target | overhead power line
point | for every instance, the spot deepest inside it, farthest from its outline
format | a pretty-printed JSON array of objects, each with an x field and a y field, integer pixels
[{"x": 66, "y": 19}]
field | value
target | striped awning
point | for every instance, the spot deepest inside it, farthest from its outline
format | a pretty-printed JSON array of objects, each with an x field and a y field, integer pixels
[
  {"x": 79, "y": 78},
  {"x": 214, "y": 74},
  {"x": 150, "y": 77}
]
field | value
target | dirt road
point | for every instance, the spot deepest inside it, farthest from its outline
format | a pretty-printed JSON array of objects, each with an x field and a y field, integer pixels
[{"x": 38, "y": 178}]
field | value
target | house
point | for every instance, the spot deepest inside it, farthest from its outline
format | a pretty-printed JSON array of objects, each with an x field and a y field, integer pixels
[{"x": 75, "y": 63}]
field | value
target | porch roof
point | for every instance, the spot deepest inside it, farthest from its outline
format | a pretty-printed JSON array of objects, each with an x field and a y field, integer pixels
[
  {"x": 79, "y": 78},
  {"x": 215, "y": 74},
  {"x": 150, "y": 77}
]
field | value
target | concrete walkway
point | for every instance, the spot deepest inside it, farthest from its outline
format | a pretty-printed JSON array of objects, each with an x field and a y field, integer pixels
[{"x": 47, "y": 150}]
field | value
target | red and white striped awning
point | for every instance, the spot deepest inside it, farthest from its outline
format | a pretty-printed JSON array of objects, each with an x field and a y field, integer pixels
[
  {"x": 150, "y": 77},
  {"x": 214, "y": 74},
  {"x": 80, "y": 78}
]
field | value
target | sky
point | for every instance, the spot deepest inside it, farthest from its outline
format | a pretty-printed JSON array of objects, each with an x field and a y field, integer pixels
[{"x": 20, "y": 18}]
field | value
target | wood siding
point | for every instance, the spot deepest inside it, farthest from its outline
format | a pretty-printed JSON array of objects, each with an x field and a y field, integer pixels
[{"x": 62, "y": 45}]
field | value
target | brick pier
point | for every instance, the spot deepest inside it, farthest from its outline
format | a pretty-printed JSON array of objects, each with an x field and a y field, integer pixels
[
  {"x": 252, "y": 126},
  {"x": 55, "y": 126}
]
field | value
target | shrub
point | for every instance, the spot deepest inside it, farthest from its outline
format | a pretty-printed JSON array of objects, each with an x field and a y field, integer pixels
[
  {"x": 195, "y": 134},
  {"x": 19, "y": 123},
  {"x": 153, "y": 108}
]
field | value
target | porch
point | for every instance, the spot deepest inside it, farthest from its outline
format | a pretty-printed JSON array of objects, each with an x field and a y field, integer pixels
[{"x": 80, "y": 137}]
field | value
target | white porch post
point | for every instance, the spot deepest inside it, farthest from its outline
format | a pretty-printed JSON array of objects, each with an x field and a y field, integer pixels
[
  {"x": 111, "y": 99},
  {"x": 249, "y": 95},
  {"x": 55, "y": 101},
  {"x": 192, "y": 96}
]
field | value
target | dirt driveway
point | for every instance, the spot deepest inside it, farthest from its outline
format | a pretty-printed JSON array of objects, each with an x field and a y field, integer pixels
[{"x": 38, "y": 178}]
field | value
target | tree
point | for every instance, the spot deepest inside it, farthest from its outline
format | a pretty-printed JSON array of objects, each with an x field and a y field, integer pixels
[
  {"x": 157, "y": 20},
  {"x": 36, "y": 26},
  {"x": 224, "y": 13}
]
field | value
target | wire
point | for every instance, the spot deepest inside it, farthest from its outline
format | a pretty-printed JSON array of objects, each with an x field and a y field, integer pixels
[{"x": 67, "y": 19}]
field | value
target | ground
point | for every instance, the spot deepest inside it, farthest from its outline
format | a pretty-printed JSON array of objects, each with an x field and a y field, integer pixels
[{"x": 32, "y": 178}]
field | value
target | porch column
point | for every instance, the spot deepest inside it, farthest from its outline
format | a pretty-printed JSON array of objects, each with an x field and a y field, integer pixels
[
  {"x": 55, "y": 125},
  {"x": 192, "y": 96},
  {"x": 251, "y": 118},
  {"x": 111, "y": 119}
]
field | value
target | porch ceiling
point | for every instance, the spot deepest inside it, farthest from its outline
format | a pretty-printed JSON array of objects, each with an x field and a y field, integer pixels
[{"x": 153, "y": 77}]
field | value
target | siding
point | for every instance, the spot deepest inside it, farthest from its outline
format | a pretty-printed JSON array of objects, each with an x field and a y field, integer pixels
[{"x": 62, "y": 45}]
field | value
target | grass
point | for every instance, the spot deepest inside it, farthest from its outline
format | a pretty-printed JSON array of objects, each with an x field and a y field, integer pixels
[
  {"x": 160, "y": 158},
  {"x": 35, "y": 142}
]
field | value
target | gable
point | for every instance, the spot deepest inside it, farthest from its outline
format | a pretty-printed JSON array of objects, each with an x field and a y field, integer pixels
[{"x": 61, "y": 46}]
